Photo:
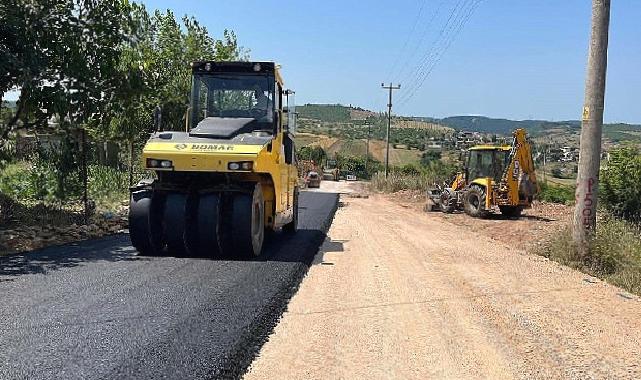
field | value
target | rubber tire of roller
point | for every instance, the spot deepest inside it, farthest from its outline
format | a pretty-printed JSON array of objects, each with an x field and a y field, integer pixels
[
  {"x": 208, "y": 226},
  {"x": 292, "y": 226},
  {"x": 247, "y": 219},
  {"x": 145, "y": 228},
  {"x": 175, "y": 223}
]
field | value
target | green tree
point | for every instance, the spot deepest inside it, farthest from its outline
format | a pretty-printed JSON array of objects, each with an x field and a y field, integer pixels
[
  {"x": 312, "y": 153},
  {"x": 620, "y": 188},
  {"x": 62, "y": 56},
  {"x": 156, "y": 70}
]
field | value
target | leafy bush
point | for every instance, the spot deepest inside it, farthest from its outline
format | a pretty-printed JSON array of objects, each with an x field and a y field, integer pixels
[
  {"x": 408, "y": 169},
  {"x": 614, "y": 255},
  {"x": 356, "y": 165},
  {"x": 313, "y": 153},
  {"x": 620, "y": 188},
  {"x": 15, "y": 181},
  {"x": 429, "y": 156},
  {"x": 7, "y": 154},
  {"x": 556, "y": 193},
  {"x": 56, "y": 174},
  {"x": 39, "y": 180}
]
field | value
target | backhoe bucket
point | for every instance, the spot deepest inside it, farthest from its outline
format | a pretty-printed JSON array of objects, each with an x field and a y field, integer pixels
[{"x": 433, "y": 200}]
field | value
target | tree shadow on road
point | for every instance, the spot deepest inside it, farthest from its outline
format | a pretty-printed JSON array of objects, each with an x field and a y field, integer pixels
[
  {"x": 300, "y": 247},
  {"x": 110, "y": 249}
]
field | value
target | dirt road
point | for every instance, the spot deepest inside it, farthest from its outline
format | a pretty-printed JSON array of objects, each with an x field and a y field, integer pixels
[{"x": 396, "y": 293}]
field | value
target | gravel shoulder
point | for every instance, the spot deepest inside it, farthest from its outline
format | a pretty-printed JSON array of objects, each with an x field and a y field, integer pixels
[{"x": 399, "y": 293}]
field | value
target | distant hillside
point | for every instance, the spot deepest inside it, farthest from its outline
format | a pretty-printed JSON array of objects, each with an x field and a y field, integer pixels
[
  {"x": 414, "y": 123},
  {"x": 488, "y": 125},
  {"x": 330, "y": 113},
  {"x": 540, "y": 128}
]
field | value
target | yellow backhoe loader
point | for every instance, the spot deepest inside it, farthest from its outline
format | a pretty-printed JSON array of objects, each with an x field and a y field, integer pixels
[
  {"x": 500, "y": 177},
  {"x": 230, "y": 176}
]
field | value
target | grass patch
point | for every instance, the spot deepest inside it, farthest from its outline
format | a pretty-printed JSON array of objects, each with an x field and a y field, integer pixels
[
  {"x": 556, "y": 193},
  {"x": 615, "y": 253},
  {"x": 108, "y": 187},
  {"x": 399, "y": 181},
  {"x": 26, "y": 195},
  {"x": 413, "y": 177}
]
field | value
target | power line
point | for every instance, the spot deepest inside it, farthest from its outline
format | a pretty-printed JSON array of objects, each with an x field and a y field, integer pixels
[
  {"x": 421, "y": 39},
  {"x": 438, "y": 55},
  {"x": 407, "y": 39},
  {"x": 420, "y": 82},
  {"x": 438, "y": 44}
]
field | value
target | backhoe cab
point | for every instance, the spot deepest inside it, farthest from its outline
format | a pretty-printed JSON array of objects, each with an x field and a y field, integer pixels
[
  {"x": 229, "y": 176},
  {"x": 494, "y": 176}
]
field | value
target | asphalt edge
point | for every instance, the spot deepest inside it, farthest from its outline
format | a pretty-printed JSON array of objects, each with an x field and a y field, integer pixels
[{"x": 253, "y": 339}]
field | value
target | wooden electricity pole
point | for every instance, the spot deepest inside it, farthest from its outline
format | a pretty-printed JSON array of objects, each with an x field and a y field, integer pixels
[
  {"x": 369, "y": 129},
  {"x": 389, "y": 122},
  {"x": 590, "y": 146}
]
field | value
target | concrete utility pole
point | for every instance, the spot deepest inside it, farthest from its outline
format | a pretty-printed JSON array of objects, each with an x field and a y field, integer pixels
[
  {"x": 590, "y": 147},
  {"x": 389, "y": 121}
]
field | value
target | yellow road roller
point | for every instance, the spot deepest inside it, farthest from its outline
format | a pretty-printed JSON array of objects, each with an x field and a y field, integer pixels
[{"x": 230, "y": 176}]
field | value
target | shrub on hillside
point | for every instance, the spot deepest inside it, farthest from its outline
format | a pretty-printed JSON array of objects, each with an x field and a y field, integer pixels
[
  {"x": 429, "y": 156},
  {"x": 620, "y": 188}
]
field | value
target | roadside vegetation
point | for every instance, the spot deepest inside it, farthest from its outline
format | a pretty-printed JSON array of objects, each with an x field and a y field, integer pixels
[
  {"x": 100, "y": 70},
  {"x": 615, "y": 247},
  {"x": 614, "y": 255},
  {"x": 555, "y": 193},
  {"x": 413, "y": 177}
]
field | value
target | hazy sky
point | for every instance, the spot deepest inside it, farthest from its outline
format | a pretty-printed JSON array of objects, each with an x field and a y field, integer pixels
[{"x": 512, "y": 58}]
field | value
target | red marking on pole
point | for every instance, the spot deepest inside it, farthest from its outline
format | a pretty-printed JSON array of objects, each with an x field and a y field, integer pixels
[{"x": 587, "y": 203}]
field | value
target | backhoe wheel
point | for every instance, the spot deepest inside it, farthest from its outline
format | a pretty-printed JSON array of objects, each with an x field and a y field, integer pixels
[
  {"x": 292, "y": 226},
  {"x": 243, "y": 224},
  {"x": 175, "y": 222},
  {"x": 145, "y": 228},
  {"x": 207, "y": 226},
  {"x": 511, "y": 211},
  {"x": 448, "y": 203},
  {"x": 474, "y": 203}
]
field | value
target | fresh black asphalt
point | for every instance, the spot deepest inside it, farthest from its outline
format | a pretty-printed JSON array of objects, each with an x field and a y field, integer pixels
[{"x": 97, "y": 310}]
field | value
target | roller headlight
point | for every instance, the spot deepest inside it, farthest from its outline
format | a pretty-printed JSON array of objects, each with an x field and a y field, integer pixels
[
  {"x": 242, "y": 165},
  {"x": 159, "y": 164}
]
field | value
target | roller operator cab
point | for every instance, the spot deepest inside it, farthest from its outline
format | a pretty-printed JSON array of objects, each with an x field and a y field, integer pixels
[{"x": 229, "y": 176}]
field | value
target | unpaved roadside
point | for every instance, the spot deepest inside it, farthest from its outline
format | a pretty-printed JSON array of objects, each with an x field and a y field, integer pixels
[{"x": 397, "y": 293}]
